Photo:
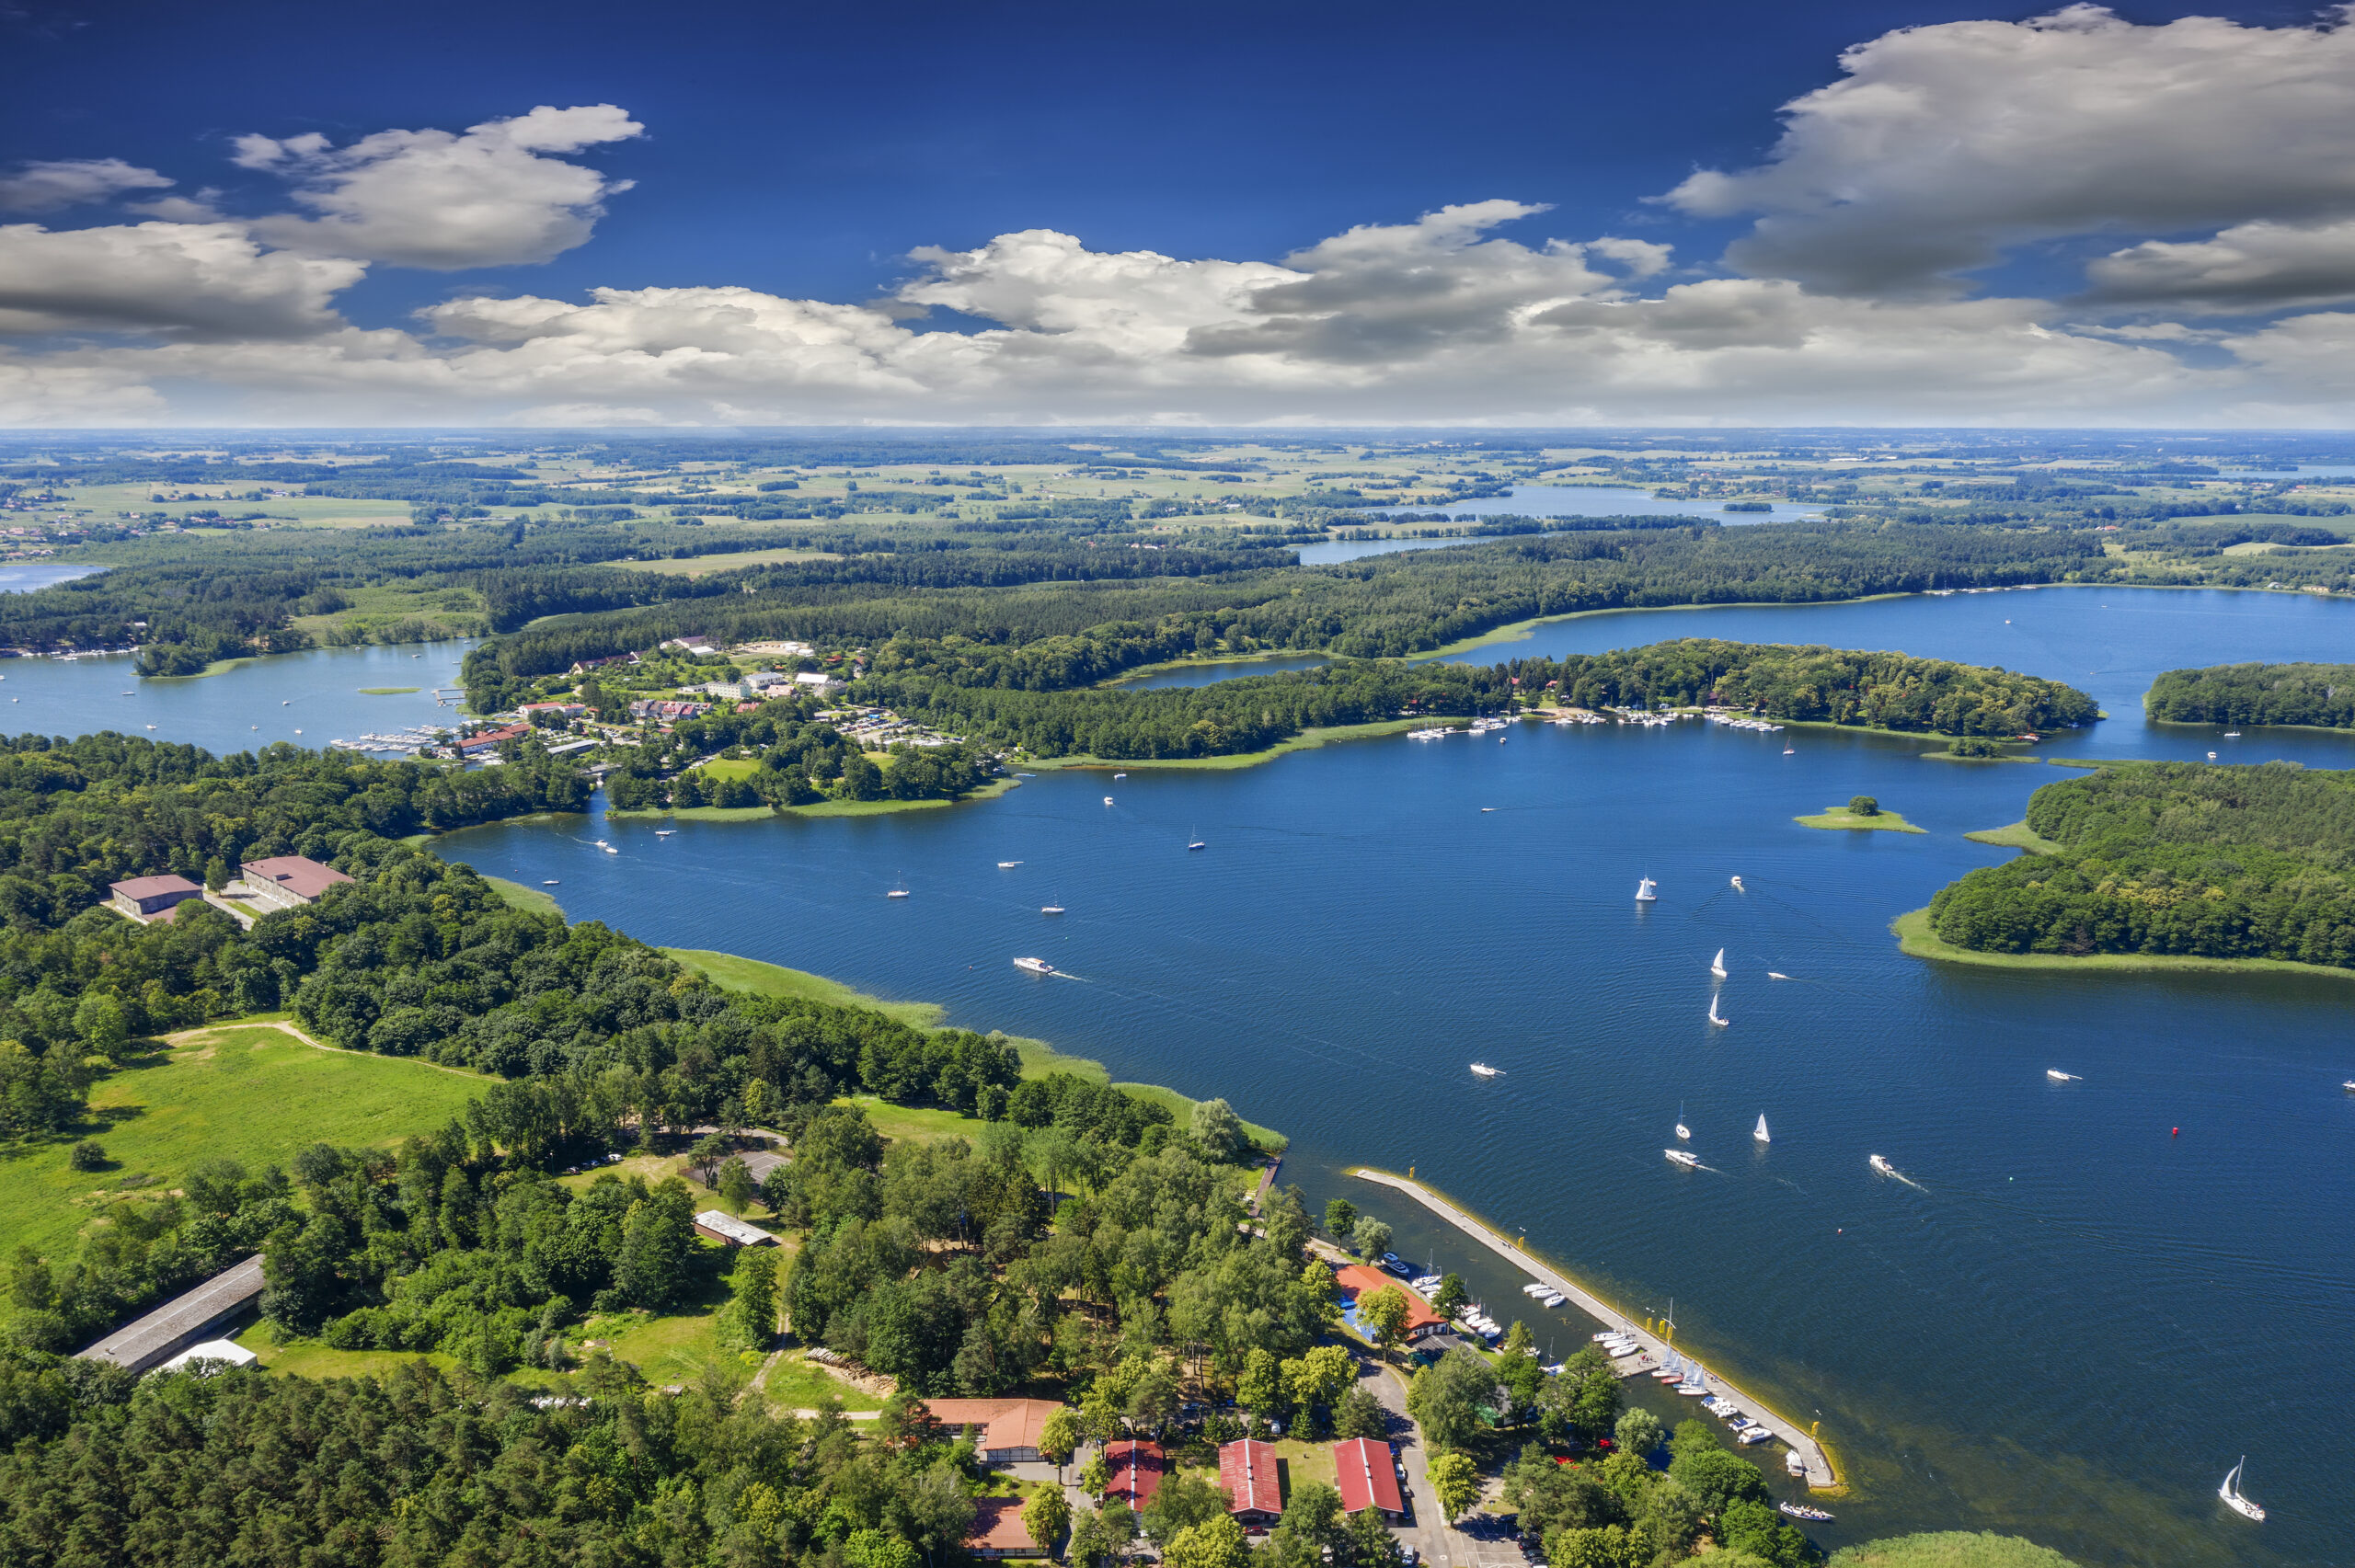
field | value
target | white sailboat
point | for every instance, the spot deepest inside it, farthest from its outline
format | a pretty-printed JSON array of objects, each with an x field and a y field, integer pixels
[
  {"x": 1682, "y": 1131},
  {"x": 1647, "y": 891},
  {"x": 2231, "y": 1492},
  {"x": 2058, "y": 1076},
  {"x": 1759, "y": 1132},
  {"x": 1714, "y": 1018},
  {"x": 1737, "y": 886},
  {"x": 1717, "y": 964},
  {"x": 1485, "y": 1070}
]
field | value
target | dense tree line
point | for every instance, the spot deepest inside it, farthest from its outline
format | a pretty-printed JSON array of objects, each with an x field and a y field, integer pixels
[
  {"x": 1249, "y": 714},
  {"x": 2176, "y": 858},
  {"x": 1382, "y": 606},
  {"x": 2322, "y": 695},
  {"x": 419, "y": 1468}
]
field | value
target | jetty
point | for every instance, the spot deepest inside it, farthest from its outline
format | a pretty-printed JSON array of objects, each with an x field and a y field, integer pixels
[{"x": 1802, "y": 1442}]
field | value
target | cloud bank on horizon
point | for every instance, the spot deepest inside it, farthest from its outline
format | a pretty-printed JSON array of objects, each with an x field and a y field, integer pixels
[{"x": 2200, "y": 174}]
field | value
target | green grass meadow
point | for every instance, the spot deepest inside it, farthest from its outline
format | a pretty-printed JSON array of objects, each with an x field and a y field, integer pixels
[{"x": 249, "y": 1093}]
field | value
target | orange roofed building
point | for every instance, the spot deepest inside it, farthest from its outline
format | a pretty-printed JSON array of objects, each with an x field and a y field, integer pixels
[
  {"x": 1357, "y": 1281},
  {"x": 998, "y": 1530},
  {"x": 1005, "y": 1431}
]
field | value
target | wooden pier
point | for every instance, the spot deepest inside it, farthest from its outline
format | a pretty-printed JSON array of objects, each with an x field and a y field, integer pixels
[{"x": 1818, "y": 1468}]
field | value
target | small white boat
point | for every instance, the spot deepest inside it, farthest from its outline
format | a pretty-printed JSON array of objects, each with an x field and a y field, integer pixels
[
  {"x": 1799, "y": 1510},
  {"x": 1118, "y": 776},
  {"x": 1535, "y": 1287},
  {"x": 1776, "y": 975},
  {"x": 1551, "y": 1298},
  {"x": 897, "y": 893},
  {"x": 1685, "y": 1157},
  {"x": 1035, "y": 966},
  {"x": 1881, "y": 1165},
  {"x": 1007, "y": 864},
  {"x": 551, "y": 882},
  {"x": 1050, "y": 909},
  {"x": 664, "y": 832},
  {"x": 1108, "y": 800},
  {"x": 2058, "y": 1076},
  {"x": 2231, "y": 1492},
  {"x": 1682, "y": 1131},
  {"x": 1714, "y": 1018},
  {"x": 1737, "y": 886},
  {"x": 1647, "y": 891},
  {"x": 1759, "y": 1132},
  {"x": 1197, "y": 844},
  {"x": 1483, "y": 1070},
  {"x": 1717, "y": 964},
  {"x": 2212, "y": 756},
  {"x": 1795, "y": 1463},
  {"x": 2232, "y": 735},
  {"x": 287, "y": 703},
  {"x": 1790, "y": 750},
  {"x": 1486, "y": 809}
]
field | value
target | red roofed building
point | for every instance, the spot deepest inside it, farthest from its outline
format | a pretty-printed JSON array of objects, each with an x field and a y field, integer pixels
[
  {"x": 1366, "y": 1474},
  {"x": 998, "y": 1530},
  {"x": 1246, "y": 1469},
  {"x": 289, "y": 881},
  {"x": 145, "y": 899},
  {"x": 1136, "y": 1469},
  {"x": 1356, "y": 1280}
]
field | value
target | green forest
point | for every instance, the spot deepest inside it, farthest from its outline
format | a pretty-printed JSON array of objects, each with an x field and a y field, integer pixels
[
  {"x": 2321, "y": 694},
  {"x": 2173, "y": 858}
]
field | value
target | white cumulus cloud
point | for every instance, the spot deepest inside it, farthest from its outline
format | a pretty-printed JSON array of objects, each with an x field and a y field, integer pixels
[
  {"x": 174, "y": 280},
  {"x": 2248, "y": 267},
  {"x": 71, "y": 182},
  {"x": 1943, "y": 145},
  {"x": 493, "y": 196}
]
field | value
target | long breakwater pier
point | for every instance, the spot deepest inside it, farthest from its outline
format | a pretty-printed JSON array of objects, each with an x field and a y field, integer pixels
[{"x": 1802, "y": 1442}]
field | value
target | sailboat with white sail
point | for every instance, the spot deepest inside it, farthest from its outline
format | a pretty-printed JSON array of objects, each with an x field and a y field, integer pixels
[
  {"x": 2231, "y": 1492},
  {"x": 1715, "y": 1017},
  {"x": 1647, "y": 891},
  {"x": 1682, "y": 1131},
  {"x": 1759, "y": 1132},
  {"x": 1717, "y": 964}
]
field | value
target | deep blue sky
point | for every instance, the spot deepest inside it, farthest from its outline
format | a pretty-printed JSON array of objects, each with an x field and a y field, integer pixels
[{"x": 804, "y": 149}]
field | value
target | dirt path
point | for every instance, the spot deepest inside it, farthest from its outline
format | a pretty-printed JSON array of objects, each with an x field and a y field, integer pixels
[{"x": 197, "y": 1036}]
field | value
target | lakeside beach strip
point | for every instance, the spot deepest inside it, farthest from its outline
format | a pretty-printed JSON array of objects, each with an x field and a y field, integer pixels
[{"x": 1802, "y": 1442}]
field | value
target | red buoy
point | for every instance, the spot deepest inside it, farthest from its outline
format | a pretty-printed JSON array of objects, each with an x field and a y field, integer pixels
[{"x": 2175, "y": 1132}]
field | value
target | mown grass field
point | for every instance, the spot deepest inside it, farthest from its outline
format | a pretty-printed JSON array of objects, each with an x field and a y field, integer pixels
[
  {"x": 703, "y": 565},
  {"x": 537, "y": 900},
  {"x": 774, "y": 980},
  {"x": 241, "y": 1090}
]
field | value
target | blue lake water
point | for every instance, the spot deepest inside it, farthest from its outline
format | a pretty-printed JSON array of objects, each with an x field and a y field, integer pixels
[
  {"x": 24, "y": 577},
  {"x": 306, "y": 698},
  {"x": 1547, "y": 500},
  {"x": 2066, "y": 1323},
  {"x": 2303, "y": 471}
]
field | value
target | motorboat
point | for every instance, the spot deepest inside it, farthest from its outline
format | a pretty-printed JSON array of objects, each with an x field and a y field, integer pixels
[
  {"x": 2232, "y": 735},
  {"x": 2231, "y": 1492},
  {"x": 1007, "y": 864},
  {"x": 1753, "y": 1434},
  {"x": 549, "y": 883},
  {"x": 897, "y": 893},
  {"x": 1483, "y": 1070},
  {"x": 1117, "y": 777},
  {"x": 608, "y": 848},
  {"x": 1881, "y": 1165},
  {"x": 1551, "y": 1298},
  {"x": 664, "y": 832},
  {"x": 1108, "y": 800},
  {"x": 2212, "y": 756},
  {"x": 1759, "y": 1132},
  {"x": 1799, "y": 1510},
  {"x": 1035, "y": 966},
  {"x": 1050, "y": 909},
  {"x": 1682, "y": 1157},
  {"x": 1647, "y": 891},
  {"x": 1737, "y": 886},
  {"x": 2058, "y": 1076},
  {"x": 1776, "y": 975},
  {"x": 1795, "y": 1462},
  {"x": 1535, "y": 1287}
]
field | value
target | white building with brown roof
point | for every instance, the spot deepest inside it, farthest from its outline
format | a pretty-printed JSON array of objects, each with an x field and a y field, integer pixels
[{"x": 288, "y": 881}]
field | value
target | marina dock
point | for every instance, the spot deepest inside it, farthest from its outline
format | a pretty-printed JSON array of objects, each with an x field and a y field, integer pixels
[{"x": 1818, "y": 1468}]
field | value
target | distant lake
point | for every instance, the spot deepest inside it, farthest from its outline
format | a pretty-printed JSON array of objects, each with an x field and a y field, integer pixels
[
  {"x": 1547, "y": 500},
  {"x": 2304, "y": 470},
  {"x": 24, "y": 577}
]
